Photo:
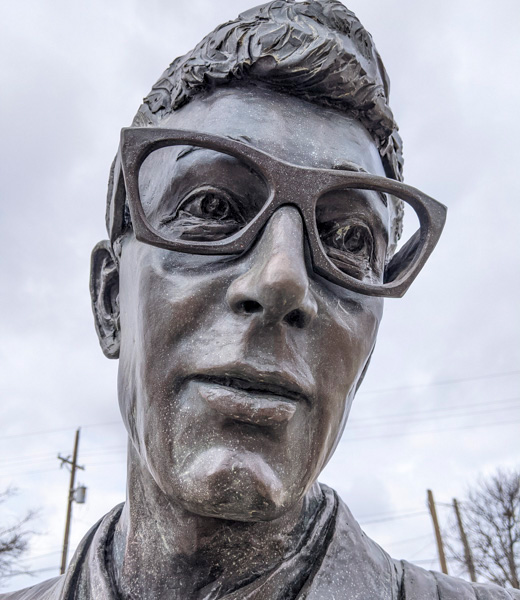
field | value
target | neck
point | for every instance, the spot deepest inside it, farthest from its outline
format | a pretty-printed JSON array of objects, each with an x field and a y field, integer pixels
[{"x": 160, "y": 550}]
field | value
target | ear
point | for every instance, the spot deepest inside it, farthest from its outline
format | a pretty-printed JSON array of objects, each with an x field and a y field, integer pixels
[{"x": 104, "y": 294}]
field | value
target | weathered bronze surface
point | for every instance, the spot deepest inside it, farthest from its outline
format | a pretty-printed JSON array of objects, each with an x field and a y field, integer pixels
[{"x": 254, "y": 213}]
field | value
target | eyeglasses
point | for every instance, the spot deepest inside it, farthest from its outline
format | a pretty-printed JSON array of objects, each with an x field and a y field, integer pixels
[{"x": 205, "y": 194}]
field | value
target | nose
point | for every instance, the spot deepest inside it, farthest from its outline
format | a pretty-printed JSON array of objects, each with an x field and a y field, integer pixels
[{"x": 276, "y": 286}]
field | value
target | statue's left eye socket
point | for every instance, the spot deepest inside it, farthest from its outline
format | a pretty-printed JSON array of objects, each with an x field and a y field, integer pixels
[
  {"x": 351, "y": 238},
  {"x": 350, "y": 246},
  {"x": 214, "y": 206}
]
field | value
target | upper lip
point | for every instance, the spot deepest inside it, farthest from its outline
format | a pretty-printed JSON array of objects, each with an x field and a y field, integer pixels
[{"x": 252, "y": 379}]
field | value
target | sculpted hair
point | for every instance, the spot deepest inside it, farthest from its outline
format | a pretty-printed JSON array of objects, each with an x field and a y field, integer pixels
[{"x": 316, "y": 50}]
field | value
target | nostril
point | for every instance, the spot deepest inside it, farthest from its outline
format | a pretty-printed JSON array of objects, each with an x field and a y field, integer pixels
[
  {"x": 249, "y": 307},
  {"x": 296, "y": 318}
]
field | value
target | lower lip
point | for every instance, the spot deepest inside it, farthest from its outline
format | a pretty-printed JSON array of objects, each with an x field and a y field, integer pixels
[{"x": 251, "y": 407}]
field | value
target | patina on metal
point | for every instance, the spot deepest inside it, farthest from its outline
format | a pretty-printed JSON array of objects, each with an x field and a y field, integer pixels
[{"x": 254, "y": 219}]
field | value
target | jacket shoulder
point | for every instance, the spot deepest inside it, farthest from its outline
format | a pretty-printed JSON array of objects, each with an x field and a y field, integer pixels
[
  {"x": 46, "y": 590},
  {"x": 65, "y": 586},
  {"x": 419, "y": 584}
]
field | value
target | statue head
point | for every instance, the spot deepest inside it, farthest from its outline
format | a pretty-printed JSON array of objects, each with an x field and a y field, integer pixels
[{"x": 254, "y": 211}]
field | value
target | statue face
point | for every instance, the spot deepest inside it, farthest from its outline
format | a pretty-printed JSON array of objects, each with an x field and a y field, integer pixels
[{"x": 237, "y": 373}]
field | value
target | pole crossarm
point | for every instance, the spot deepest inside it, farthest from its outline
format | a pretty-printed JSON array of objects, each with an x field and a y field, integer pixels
[{"x": 66, "y": 460}]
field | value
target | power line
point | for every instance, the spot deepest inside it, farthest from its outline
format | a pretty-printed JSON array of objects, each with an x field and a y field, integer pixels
[
  {"x": 388, "y": 512},
  {"x": 423, "y": 548},
  {"x": 420, "y": 419},
  {"x": 439, "y": 382},
  {"x": 409, "y": 540},
  {"x": 431, "y": 560},
  {"x": 353, "y": 424},
  {"x": 454, "y": 408},
  {"x": 27, "y": 458},
  {"x": 426, "y": 561},
  {"x": 30, "y": 572},
  {"x": 426, "y": 431},
  {"x": 46, "y": 457},
  {"x": 405, "y": 516},
  {"x": 121, "y": 461},
  {"x": 348, "y": 439},
  {"x": 45, "y": 431},
  {"x": 105, "y": 463},
  {"x": 38, "y": 556},
  {"x": 376, "y": 391},
  {"x": 37, "y": 472}
]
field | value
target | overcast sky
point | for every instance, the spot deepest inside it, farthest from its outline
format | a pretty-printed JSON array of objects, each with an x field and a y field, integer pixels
[{"x": 441, "y": 402}]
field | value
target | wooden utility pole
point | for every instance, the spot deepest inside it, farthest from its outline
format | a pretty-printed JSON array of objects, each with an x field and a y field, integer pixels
[
  {"x": 438, "y": 537},
  {"x": 73, "y": 466},
  {"x": 468, "y": 558}
]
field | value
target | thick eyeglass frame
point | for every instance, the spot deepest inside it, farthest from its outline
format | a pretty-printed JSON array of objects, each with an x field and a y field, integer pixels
[{"x": 288, "y": 184}]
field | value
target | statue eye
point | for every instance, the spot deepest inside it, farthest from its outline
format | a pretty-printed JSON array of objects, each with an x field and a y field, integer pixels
[
  {"x": 205, "y": 214},
  {"x": 353, "y": 238},
  {"x": 211, "y": 204},
  {"x": 214, "y": 206},
  {"x": 350, "y": 246}
]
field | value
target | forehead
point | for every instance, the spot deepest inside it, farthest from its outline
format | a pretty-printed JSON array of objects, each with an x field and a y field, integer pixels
[{"x": 290, "y": 128}]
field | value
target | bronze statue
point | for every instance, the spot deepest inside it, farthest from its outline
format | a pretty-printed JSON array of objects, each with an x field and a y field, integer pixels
[{"x": 254, "y": 214}]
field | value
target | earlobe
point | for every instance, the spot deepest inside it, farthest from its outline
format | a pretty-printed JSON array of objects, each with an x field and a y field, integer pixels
[{"x": 104, "y": 293}]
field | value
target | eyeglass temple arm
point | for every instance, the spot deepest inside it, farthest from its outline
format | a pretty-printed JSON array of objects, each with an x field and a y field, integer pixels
[{"x": 403, "y": 259}]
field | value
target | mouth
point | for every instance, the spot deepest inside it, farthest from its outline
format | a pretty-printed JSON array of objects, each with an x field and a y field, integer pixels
[{"x": 266, "y": 399}]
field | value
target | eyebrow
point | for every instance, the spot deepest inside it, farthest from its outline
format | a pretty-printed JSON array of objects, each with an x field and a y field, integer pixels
[
  {"x": 337, "y": 166},
  {"x": 351, "y": 166},
  {"x": 347, "y": 165},
  {"x": 186, "y": 151},
  {"x": 190, "y": 149}
]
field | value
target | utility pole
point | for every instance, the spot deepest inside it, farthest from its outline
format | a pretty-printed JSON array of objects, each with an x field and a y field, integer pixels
[
  {"x": 73, "y": 466},
  {"x": 438, "y": 537},
  {"x": 468, "y": 558}
]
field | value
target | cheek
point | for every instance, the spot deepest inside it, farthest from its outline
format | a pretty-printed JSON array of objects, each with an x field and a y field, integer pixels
[
  {"x": 351, "y": 335},
  {"x": 160, "y": 308},
  {"x": 165, "y": 299},
  {"x": 346, "y": 343}
]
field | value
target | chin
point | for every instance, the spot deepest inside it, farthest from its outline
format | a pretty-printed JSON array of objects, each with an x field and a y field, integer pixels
[{"x": 233, "y": 485}]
